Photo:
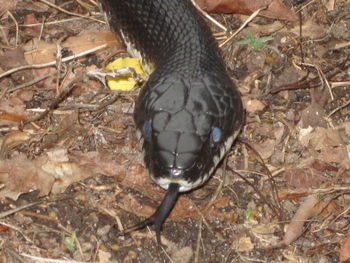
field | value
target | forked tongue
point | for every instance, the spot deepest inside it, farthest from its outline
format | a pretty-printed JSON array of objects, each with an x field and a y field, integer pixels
[{"x": 162, "y": 212}]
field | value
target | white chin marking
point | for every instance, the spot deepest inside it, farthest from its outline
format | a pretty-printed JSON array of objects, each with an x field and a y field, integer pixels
[
  {"x": 184, "y": 185},
  {"x": 187, "y": 186}
]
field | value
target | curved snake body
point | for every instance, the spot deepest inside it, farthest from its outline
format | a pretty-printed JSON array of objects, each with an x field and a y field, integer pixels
[{"x": 189, "y": 111}]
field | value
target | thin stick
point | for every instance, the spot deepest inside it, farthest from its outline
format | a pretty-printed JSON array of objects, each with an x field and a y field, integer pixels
[
  {"x": 52, "y": 63},
  {"x": 338, "y": 108},
  {"x": 252, "y": 16},
  {"x": 16, "y": 229},
  {"x": 205, "y": 211},
  {"x": 49, "y": 260},
  {"x": 321, "y": 75},
  {"x": 27, "y": 84},
  {"x": 303, "y": 7},
  {"x": 17, "y": 31},
  {"x": 53, "y": 22},
  {"x": 71, "y": 13},
  {"x": 339, "y": 84},
  {"x": 15, "y": 210},
  {"x": 211, "y": 19},
  {"x": 199, "y": 237}
]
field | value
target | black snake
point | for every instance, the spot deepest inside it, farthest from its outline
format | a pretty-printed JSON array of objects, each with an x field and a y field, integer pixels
[{"x": 189, "y": 112}]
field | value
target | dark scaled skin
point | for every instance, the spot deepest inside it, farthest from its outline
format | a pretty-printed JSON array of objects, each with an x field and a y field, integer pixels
[{"x": 189, "y": 110}]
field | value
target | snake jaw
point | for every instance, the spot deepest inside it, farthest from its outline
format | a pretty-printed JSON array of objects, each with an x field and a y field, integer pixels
[{"x": 184, "y": 184}]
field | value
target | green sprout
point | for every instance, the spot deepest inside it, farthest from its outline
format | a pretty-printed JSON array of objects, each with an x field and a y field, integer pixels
[
  {"x": 256, "y": 43},
  {"x": 70, "y": 242},
  {"x": 53, "y": 128},
  {"x": 115, "y": 260},
  {"x": 248, "y": 213}
]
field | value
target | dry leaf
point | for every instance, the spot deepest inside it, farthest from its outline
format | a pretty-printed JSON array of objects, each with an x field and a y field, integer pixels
[
  {"x": 304, "y": 212},
  {"x": 310, "y": 208},
  {"x": 310, "y": 29},
  {"x": 275, "y": 8},
  {"x": 344, "y": 253},
  {"x": 6, "y": 5},
  {"x": 65, "y": 172},
  {"x": 322, "y": 138},
  {"x": 90, "y": 40},
  {"x": 182, "y": 255},
  {"x": 20, "y": 175},
  {"x": 330, "y": 5},
  {"x": 339, "y": 155},
  {"x": 11, "y": 140},
  {"x": 245, "y": 244},
  {"x": 15, "y": 58},
  {"x": 314, "y": 116},
  {"x": 38, "y": 52},
  {"x": 33, "y": 31},
  {"x": 266, "y": 233},
  {"x": 104, "y": 257},
  {"x": 304, "y": 178},
  {"x": 11, "y": 109},
  {"x": 266, "y": 148},
  {"x": 254, "y": 105},
  {"x": 10, "y": 116}
]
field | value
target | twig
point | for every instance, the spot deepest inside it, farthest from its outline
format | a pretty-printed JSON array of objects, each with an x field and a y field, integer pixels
[
  {"x": 52, "y": 63},
  {"x": 250, "y": 18},
  {"x": 205, "y": 211},
  {"x": 338, "y": 108},
  {"x": 49, "y": 260},
  {"x": 4, "y": 35},
  {"x": 71, "y": 13},
  {"x": 262, "y": 197},
  {"x": 53, "y": 22},
  {"x": 58, "y": 99},
  {"x": 301, "y": 37},
  {"x": 27, "y": 84},
  {"x": 58, "y": 65},
  {"x": 17, "y": 31},
  {"x": 322, "y": 77},
  {"x": 313, "y": 83},
  {"x": 303, "y": 7},
  {"x": 340, "y": 84},
  {"x": 13, "y": 253},
  {"x": 205, "y": 14},
  {"x": 15, "y": 210},
  {"x": 199, "y": 237},
  {"x": 275, "y": 208},
  {"x": 18, "y": 230}
]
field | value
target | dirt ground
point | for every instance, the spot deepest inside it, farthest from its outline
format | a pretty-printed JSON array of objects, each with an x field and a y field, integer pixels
[{"x": 72, "y": 176}]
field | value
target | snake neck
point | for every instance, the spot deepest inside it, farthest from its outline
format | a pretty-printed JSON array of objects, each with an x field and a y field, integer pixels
[{"x": 183, "y": 44}]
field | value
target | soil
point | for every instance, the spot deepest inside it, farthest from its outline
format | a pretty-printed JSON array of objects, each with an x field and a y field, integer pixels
[{"x": 73, "y": 179}]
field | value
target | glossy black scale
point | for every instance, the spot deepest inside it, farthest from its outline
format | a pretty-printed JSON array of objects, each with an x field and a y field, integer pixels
[{"x": 189, "y": 111}]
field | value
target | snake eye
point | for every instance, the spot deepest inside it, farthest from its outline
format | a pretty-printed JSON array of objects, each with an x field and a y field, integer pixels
[
  {"x": 147, "y": 130},
  {"x": 215, "y": 135}
]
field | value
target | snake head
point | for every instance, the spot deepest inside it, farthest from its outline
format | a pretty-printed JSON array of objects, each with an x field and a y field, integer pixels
[{"x": 187, "y": 127}]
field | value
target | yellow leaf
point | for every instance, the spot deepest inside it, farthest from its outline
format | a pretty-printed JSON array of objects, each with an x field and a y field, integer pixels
[{"x": 126, "y": 82}]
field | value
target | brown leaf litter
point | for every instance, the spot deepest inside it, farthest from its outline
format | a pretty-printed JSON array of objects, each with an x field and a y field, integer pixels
[{"x": 78, "y": 169}]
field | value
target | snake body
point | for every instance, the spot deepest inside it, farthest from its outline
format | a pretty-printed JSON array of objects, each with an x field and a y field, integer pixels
[{"x": 189, "y": 112}]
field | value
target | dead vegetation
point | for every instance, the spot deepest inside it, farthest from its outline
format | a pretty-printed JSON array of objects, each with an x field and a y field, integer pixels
[{"x": 71, "y": 170}]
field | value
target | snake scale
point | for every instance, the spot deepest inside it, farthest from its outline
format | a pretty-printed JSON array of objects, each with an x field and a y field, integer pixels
[{"x": 189, "y": 112}]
